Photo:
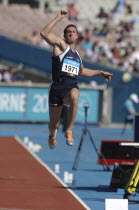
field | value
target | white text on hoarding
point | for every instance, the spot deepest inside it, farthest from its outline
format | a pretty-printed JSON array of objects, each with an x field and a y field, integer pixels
[{"x": 12, "y": 102}]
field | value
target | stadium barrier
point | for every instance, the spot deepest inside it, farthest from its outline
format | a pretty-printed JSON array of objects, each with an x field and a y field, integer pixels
[{"x": 28, "y": 102}]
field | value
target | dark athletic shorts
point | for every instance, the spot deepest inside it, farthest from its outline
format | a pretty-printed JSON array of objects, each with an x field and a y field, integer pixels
[{"x": 57, "y": 94}]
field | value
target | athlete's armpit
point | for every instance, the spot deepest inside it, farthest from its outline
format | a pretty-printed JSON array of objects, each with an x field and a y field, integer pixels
[{"x": 81, "y": 70}]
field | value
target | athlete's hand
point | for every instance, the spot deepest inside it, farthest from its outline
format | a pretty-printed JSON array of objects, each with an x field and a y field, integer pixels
[
  {"x": 107, "y": 76},
  {"x": 61, "y": 14}
]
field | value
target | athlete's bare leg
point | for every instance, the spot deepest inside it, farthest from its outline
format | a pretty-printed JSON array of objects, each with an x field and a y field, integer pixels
[
  {"x": 72, "y": 99},
  {"x": 54, "y": 114}
]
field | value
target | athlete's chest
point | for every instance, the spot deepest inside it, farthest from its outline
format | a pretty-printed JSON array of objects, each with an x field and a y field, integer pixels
[
  {"x": 71, "y": 64},
  {"x": 72, "y": 56}
]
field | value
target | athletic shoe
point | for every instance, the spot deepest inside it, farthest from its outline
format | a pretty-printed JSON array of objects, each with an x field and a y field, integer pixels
[
  {"x": 52, "y": 140},
  {"x": 69, "y": 139}
]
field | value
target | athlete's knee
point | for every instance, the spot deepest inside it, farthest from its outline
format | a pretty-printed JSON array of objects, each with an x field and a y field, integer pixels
[{"x": 74, "y": 100}]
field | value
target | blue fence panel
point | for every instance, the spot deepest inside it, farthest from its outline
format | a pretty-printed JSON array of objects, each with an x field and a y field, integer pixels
[
  {"x": 91, "y": 98},
  {"x": 37, "y": 106},
  {"x": 12, "y": 103},
  {"x": 31, "y": 104}
]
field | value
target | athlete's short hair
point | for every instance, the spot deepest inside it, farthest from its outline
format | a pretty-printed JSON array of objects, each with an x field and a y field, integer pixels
[{"x": 70, "y": 25}]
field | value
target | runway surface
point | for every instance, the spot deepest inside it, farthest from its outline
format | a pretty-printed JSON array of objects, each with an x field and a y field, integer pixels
[
  {"x": 90, "y": 181},
  {"x": 27, "y": 184}
]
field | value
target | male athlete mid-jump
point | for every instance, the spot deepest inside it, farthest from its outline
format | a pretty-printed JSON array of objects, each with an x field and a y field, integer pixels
[{"x": 66, "y": 67}]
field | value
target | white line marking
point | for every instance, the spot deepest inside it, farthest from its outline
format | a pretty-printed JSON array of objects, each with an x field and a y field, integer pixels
[
  {"x": 47, "y": 167},
  {"x": 129, "y": 144}
]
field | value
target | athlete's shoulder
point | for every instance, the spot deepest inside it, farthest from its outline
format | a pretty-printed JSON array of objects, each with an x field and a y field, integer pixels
[{"x": 79, "y": 55}]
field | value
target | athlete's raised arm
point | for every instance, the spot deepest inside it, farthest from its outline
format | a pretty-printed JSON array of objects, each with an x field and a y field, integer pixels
[{"x": 50, "y": 37}]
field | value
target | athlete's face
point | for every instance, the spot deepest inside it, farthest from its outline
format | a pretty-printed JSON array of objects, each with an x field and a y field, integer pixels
[{"x": 71, "y": 35}]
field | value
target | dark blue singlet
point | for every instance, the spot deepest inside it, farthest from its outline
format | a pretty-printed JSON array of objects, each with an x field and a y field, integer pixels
[{"x": 65, "y": 70}]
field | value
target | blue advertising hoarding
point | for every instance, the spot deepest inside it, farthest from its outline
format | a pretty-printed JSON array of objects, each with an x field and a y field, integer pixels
[
  {"x": 12, "y": 103},
  {"x": 37, "y": 106},
  {"x": 31, "y": 104},
  {"x": 91, "y": 99}
]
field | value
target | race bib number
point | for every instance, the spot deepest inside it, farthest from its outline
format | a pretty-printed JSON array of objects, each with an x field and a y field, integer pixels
[{"x": 71, "y": 67}]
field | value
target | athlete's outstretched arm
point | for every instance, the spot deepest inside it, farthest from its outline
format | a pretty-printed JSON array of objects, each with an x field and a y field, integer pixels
[
  {"x": 91, "y": 73},
  {"x": 46, "y": 32}
]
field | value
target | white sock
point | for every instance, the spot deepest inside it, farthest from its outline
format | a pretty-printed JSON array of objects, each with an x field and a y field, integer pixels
[
  {"x": 69, "y": 131},
  {"x": 53, "y": 133}
]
